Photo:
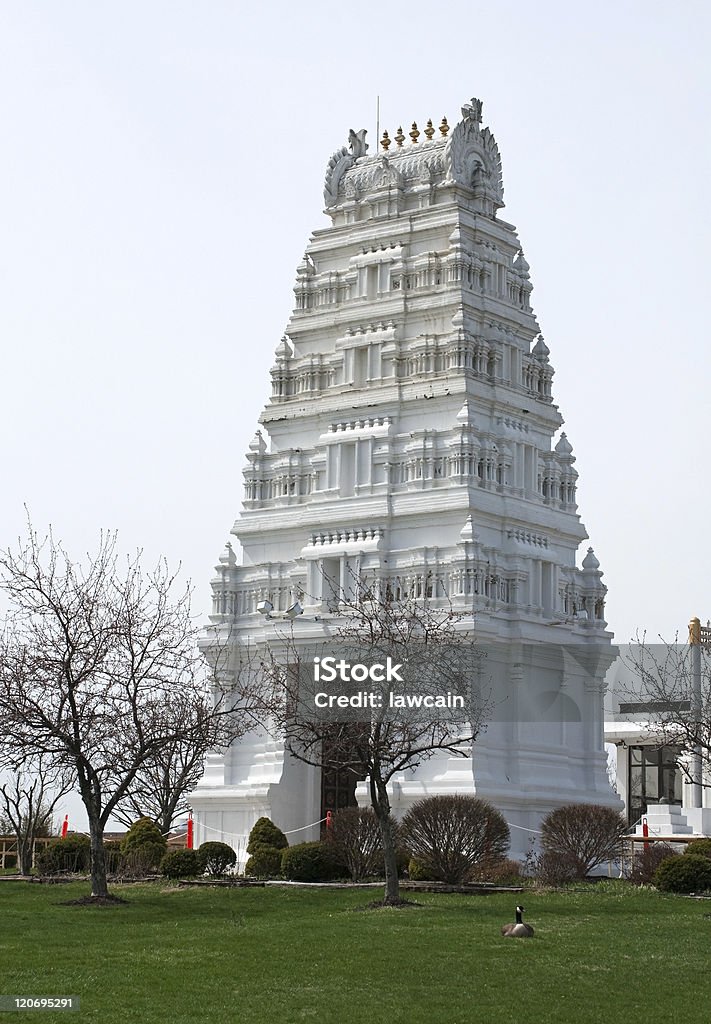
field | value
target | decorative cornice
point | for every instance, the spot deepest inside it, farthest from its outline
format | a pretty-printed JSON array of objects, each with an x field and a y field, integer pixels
[{"x": 468, "y": 156}]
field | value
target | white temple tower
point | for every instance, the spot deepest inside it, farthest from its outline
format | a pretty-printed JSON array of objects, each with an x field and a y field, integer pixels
[{"x": 410, "y": 433}]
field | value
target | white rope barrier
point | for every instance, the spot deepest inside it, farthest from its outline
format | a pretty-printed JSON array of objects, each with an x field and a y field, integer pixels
[
  {"x": 302, "y": 828},
  {"x": 237, "y": 835},
  {"x": 292, "y": 830}
]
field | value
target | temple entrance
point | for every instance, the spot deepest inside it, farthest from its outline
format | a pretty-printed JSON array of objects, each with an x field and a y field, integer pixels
[
  {"x": 338, "y": 787},
  {"x": 340, "y": 774}
]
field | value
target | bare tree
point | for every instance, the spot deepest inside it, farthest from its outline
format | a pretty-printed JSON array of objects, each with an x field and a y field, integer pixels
[
  {"x": 430, "y": 659},
  {"x": 671, "y": 691},
  {"x": 355, "y": 838},
  {"x": 28, "y": 797},
  {"x": 99, "y": 671},
  {"x": 161, "y": 785}
]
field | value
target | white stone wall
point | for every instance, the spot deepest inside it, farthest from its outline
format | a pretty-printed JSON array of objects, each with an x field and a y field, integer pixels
[{"x": 411, "y": 434}]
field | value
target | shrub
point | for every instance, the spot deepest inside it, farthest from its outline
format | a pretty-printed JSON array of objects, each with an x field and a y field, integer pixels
[
  {"x": 402, "y": 857},
  {"x": 689, "y": 873},
  {"x": 113, "y": 857},
  {"x": 417, "y": 872},
  {"x": 355, "y": 841},
  {"x": 699, "y": 848},
  {"x": 586, "y": 834},
  {"x": 266, "y": 833},
  {"x": 310, "y": 862},
  {"x": 68, "y": 855},
  {"x": 265, "y": 862},
  {"x": 500, "y": 872},
  {"x": 144, "y": 860},
  {"x": 216, "y": 858},
  {"x": 143, "y": 847},
  {"x": 450, "y": 835},
  {"x": 646, "y": 863},
  {"x": 181, "y": 864},
  {"x": 553, "y": 867},
  {"x": 141, "y": 832}
]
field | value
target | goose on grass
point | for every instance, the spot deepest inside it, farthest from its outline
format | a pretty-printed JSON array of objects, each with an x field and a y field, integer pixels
[{"x": 519, "y": 930}]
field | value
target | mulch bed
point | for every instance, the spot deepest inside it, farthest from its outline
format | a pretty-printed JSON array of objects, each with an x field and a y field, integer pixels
[
  {"x": 382, "y": 905},
  {"x": 95, "y": 901},
  {"x": 224, "y": 883}
]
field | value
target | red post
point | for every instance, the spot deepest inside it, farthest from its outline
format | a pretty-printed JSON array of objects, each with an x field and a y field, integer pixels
[
  {"x": 189, "y": 840},
  {"x": 329, "y": 818},
  {"x": 65, "y": 825},
  {"x": 645, "y": 831}
]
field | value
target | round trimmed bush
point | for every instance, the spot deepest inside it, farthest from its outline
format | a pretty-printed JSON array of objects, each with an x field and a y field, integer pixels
[
  {"x": 699, "y": 848},
  {"x": 265, "y": 862},
  {"x": 216, "y": 858},
  {"x": 181, "y": 864},
  {"x": 450, "y": 835},
  {"x": 311, "y": 862},
  {"x": 68, "y": 855},
  {"x": 143, "y": 847},
  {"x": 142, "y": 833},
  {"x": 265, "y": 833},
  {"x": 584, "y": 834},
  {"x": 689, "y": 873}
]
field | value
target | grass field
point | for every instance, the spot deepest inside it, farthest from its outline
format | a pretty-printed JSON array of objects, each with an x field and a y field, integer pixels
[{"x": 277, "y": 956}]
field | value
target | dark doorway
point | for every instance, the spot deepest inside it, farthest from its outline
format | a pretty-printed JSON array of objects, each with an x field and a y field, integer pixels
[
  {"x": 339, "y": 780},
  {"x": 338, "y": 787}
]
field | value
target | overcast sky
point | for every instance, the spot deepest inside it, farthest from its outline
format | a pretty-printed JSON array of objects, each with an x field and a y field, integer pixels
[{"x": 163, "y": 167}]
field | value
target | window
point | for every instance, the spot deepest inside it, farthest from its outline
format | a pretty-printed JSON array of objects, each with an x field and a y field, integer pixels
[
  {"x": 648, "y": 706},
  {"x": 347, "y": 470},
  {"x": 331, "y": 583},
  {"x": 360, "y": 365},
  {"x": 653, "y": 776}
]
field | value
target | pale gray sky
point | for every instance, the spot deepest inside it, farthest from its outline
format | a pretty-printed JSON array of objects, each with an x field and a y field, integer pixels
[{"x": 162, "y": 170}]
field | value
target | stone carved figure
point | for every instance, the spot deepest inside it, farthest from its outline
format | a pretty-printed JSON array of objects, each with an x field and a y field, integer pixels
[
  {"x": 356, "y": 140},
  {"x": 472, "y": 155},
  {"x": 341, "y": 161},
  {"x": 472, "y": 110}
]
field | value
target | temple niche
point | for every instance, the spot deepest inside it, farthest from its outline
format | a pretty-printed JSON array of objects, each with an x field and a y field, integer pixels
[{"x": 412, "y": 433}]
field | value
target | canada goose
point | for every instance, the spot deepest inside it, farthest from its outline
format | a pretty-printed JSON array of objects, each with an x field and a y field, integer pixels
[{"x": 518, "y": 930}]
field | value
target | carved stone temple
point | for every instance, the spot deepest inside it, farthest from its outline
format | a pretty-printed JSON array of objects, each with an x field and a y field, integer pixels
[{"x": 412, "y": 433}]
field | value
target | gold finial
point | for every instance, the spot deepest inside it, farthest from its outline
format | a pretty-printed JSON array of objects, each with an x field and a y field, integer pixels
[
  {"x": 444, "y": 127},
  {"x": 385, "y": 141},
  {"x": 695, "y": 631},
  {"x": 414, "y": 134},
  {"x": 429, "y": 130},
  {"x": 399, "y": 138}
]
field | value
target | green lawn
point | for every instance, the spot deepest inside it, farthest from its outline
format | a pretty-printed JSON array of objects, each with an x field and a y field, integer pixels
[{"x": 286, "y": 955}]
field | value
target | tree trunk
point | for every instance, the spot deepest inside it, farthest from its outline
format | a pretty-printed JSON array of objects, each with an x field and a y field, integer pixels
[
  {"x": 24, "y": 854},
  {"x": 381, "y": 805},
  {"x": 99, "y": 885}
]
